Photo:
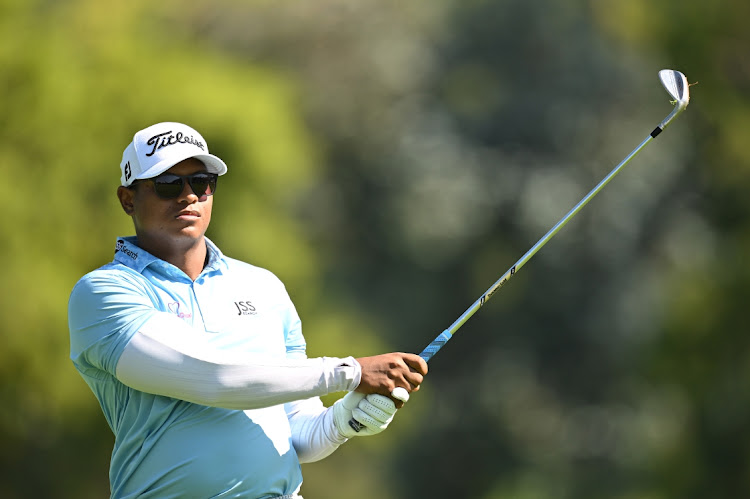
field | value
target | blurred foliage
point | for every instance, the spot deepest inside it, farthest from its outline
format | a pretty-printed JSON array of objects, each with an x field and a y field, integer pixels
[{"x": 390, "y": 160}]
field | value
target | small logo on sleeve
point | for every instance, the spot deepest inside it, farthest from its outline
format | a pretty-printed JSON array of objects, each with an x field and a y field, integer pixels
[{"x": 245, "y": 308}]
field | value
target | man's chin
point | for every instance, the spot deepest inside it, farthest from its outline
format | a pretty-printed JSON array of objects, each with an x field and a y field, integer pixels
[{"x": 194, "y": 233}]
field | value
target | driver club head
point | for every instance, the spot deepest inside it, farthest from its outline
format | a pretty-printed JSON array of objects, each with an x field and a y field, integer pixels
[{"x": 677, "y": 85}]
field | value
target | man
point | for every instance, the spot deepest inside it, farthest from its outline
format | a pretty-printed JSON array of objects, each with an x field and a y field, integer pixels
[{"x": 198, "y": 360}]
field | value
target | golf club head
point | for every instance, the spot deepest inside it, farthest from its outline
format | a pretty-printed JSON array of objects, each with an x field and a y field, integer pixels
[{"x": 677, "y": 85}]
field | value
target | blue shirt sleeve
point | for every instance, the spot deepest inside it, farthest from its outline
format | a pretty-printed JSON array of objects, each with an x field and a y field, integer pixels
[
  {"x": 296, "y": 347},
  {"x": 106, "y": 308}
]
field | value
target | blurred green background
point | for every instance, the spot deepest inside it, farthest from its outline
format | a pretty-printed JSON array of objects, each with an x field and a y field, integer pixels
[{"x": 389, "y": 161}]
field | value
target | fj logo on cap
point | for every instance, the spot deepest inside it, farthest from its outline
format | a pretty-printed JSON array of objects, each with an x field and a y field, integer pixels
[
  {"x": 128, "y": 171},
  {"x": 166, "y": 139}
]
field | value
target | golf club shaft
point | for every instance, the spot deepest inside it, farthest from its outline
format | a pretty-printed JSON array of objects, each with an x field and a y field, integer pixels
[{"x": 446, "y": 335}]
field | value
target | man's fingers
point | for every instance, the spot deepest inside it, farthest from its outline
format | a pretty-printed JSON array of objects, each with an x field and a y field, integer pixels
[
  {"x": 352, "y": 399},
  {"x": 414, "y": 379},
  {"x": 378, "y": 406},
  {"x": 416, "y": 362},
  {"x": 382, "y": 373},
  {"x": 375, "y": 412}
]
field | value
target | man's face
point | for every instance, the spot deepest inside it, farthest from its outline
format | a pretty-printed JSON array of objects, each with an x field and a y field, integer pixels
[{"x": 168, "y": 223}]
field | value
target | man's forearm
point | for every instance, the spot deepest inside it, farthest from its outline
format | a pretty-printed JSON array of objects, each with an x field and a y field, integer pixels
[{"x": 207, "y": 378}]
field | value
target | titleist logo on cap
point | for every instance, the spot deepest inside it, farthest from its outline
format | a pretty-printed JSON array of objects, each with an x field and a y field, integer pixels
[
  {"x": 150, "y": 154},
  {"x": 166, "y": 139}
]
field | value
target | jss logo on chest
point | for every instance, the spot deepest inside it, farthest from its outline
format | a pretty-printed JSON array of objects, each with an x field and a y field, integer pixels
[{"x": 245, "y": 308}]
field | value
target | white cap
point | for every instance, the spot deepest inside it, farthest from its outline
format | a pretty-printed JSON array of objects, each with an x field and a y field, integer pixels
[{"x": 159, "y": 147}]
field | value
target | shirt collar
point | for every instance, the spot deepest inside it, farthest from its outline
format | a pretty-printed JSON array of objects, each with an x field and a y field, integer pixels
[
  {"x": 128, "y": 253},
  {"x": 216, "y": 260}
]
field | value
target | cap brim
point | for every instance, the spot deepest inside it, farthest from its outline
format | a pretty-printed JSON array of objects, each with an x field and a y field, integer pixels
[{"x": 213, "y": 165}]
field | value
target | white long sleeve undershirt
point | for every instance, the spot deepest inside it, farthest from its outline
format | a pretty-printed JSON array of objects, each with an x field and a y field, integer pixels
[{"x": 167, "y": 357}]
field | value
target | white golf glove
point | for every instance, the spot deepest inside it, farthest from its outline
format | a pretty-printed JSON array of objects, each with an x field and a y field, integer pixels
[{"x": 357, "y": 415}]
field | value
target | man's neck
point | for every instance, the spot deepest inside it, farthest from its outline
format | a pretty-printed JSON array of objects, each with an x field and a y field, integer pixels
[{"x": 191, "y": 259}]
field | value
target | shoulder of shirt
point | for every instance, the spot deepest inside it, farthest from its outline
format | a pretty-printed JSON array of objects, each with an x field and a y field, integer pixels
[
  {"x": 110, "y": 273},
  {"x": 250, "y": 270}
]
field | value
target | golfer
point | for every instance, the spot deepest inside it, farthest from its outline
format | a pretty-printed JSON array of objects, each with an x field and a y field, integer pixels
[{"x": 198, "y": 360}]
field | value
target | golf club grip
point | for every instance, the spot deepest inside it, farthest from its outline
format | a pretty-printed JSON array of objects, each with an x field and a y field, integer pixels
[
  {"x": 436, "y": 345},
  {"x": 426, "y": 354}
]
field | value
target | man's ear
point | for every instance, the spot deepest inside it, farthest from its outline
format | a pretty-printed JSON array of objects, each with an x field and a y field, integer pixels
[{"x": 125, "y": 196}]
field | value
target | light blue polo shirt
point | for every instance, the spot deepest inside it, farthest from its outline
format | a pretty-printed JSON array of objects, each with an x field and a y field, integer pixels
[{"x": 166, "y": 447}]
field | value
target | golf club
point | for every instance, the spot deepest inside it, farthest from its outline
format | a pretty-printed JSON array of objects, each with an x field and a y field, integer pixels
[{"x": 677, "y": 85}]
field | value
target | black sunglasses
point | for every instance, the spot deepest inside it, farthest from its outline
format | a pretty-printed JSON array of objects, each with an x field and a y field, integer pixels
[{"x": 170, "y": 186}]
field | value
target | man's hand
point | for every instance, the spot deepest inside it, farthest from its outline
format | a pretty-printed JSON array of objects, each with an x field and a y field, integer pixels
[
  {"x": 381, "y": 374},
  {"x": 360, "y": 415}
]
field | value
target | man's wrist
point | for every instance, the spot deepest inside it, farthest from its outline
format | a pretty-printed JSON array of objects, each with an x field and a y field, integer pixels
[
  {"x": 344, "y": 374},
  {"x": 331, "y": 429}
]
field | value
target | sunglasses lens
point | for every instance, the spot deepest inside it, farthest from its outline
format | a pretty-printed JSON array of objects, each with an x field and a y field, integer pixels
[
  {"x": 168, "y": 186},
  {"x": 202, "y": 184}
]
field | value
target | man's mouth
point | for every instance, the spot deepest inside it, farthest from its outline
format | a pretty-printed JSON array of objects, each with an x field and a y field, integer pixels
[{"x": 188, "y": 215}]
